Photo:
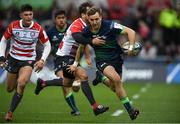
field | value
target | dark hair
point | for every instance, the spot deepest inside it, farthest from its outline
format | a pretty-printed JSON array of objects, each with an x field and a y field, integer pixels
[
  {"x": 93, "y": 11},
  {"x": 59, "y": 12},
  {"x": 83, "y": 7},
  {"x": 26, "y": 7}
]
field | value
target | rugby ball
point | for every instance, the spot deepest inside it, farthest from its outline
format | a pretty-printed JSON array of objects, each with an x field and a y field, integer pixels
[{"x": 136, "y": 48}]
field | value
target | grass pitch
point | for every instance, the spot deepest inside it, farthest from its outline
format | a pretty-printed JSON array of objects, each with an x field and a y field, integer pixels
[{"x": 158, "y": 103}]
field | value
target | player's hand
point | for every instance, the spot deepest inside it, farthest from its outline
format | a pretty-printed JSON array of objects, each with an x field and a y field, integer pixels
[
  {"x": 38, "y": 66},
  {"x": 130, "y": 53},
  {"x": 98, "y": 41},
  {"x": 130, "y": 50},
  {"x": 3, "y": 62},
  {"x": 71, "y": 69}
]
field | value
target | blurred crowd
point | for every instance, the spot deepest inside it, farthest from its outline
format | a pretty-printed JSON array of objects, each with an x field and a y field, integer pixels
[{"x": 157, "y": 22}]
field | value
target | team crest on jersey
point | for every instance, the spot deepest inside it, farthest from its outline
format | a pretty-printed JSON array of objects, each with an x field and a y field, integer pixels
[
  {"x": 61, "y": 34},
  {"x": 55, "y": 38},
  {"x": 17, "y": 34},
  {"x": 32, "y": 34}
]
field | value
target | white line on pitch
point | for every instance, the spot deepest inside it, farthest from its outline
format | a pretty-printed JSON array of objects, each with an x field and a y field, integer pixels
[
  {"x": 136, "y": 96},
  {"x": 117, "y": 112}
]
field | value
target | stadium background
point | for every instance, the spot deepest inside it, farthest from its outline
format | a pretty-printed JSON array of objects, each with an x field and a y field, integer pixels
[{"x": 157, "y": 23}]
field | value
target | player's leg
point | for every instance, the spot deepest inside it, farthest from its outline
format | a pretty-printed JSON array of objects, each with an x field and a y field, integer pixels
[
  {"x": 100, "y": 78},
  {"x": 23, "y": 78},
  {"x": 12, "y": 76},
  {"x": 11, "y": 85},
  {"x": 11, "y": 81},
  {"x": 69, "y": 97},
  {"x": 114, "y": 77},
  {"x": 81, "y": 74},
  {"x": 42, "y": 83}
]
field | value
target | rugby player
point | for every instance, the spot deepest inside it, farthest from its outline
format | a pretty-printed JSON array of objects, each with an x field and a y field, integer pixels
[{"x": 24, "y": 35}]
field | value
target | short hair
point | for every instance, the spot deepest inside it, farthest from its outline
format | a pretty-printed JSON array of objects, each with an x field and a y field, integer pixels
[
  {"x": 93, "y": 11},
  {"x": 26, "y": 7},
  {"x": 83, "y": 7},
  {"x": 59, "y": 12}
]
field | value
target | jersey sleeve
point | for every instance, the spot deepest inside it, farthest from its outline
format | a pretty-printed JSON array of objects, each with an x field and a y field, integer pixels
[
  {"x": 85, "y": 32},
  {"x": 8, "y": 32},
  {"x": 43, "y": 36},
  {"x": 118, "y": 28},
  {"x": 76, "y": 27}
]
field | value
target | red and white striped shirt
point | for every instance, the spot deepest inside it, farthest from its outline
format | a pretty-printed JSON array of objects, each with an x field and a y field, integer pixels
[
  {"x": 69, "y": 46},
  {"x": 24, "y": 39}
]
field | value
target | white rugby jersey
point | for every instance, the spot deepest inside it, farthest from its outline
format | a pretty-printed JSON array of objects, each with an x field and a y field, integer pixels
[
  {"x": 24, "y": 39},
  {"x": 69, "y": 46}
]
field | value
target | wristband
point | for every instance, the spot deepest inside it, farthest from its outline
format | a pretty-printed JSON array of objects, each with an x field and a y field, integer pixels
[
  {"x": 42, "y": 60},
  {"x": 75, "y": 63}
]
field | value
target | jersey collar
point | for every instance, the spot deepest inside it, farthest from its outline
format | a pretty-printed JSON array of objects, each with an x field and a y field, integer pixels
[{"x": 21, "y": 25}]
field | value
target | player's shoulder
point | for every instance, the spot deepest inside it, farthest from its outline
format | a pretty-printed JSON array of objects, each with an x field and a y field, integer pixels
[
  {"x": 15, "y": 23},
  {"x": 78, "y": 22},
  {"x": 37, "y": 26},
  {"x": 113, "y": 24},
  {"x": 86, "y": 29},
  {"x": 107, "y": 23}
]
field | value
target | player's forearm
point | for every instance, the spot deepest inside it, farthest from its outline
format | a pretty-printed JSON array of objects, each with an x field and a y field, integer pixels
[
  {"x": 3, "y": 45},
  {"x": 79, "y": 38},
  {"x": 131, "y": 35},
  {"x": 47, "y": 50},
  {"x": 79, "y": 53}
]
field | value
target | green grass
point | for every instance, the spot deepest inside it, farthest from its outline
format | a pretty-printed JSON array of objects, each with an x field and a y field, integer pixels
[{"x": 159, "y": 104}]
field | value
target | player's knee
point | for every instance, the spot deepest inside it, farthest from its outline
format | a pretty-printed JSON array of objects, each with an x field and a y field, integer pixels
[
  {"x": 83, "y": 76},
  {"x": 66, "y": 90},
  {"x": 10, "y": 89},
  {"x": 21, "y": 86},
  {"x": 116, "y": 80},
  {"x": 22, "y": 80}
]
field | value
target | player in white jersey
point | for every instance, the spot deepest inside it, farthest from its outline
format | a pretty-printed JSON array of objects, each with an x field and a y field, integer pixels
[
  {"x": 24, "y": 35},
  {"x": 66, "y": 56}
]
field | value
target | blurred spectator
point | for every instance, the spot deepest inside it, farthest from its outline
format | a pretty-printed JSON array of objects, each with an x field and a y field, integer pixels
[
  {"x": 144, "y": 30},
  {"x": 118, "y": 8},
  {"x": 157, "y": 4},
  {"x": 177, "y": 25},
  {"x": 167, "y": 19},
  {"x": 149, "y": 52}
]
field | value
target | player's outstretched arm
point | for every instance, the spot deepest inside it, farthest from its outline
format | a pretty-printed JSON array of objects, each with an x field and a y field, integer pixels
[
  {"x": 79, "y": 38},
  {"x": 40, "y": 64},
  {"x": 3, "y": 45},
  {"x": 131, "y": 38},
  {"x": 79, "y": 54}
]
